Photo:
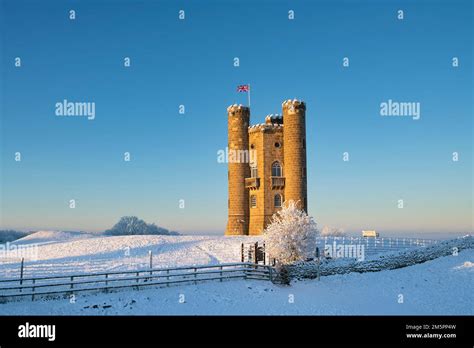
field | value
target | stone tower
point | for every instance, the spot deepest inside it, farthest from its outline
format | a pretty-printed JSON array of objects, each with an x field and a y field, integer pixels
[
  {"x": 267, "y": 166},
  {"x": 267, "y": 182},
  {"x": 238, "y": 204},
  {"x": 294, "y": 138}
]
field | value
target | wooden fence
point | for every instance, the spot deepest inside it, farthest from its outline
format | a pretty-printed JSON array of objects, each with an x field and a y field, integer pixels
[{"x": 72, "y": 283}]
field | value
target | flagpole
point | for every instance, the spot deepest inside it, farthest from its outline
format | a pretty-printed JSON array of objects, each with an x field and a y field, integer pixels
[{"x": 249, "y": 94}]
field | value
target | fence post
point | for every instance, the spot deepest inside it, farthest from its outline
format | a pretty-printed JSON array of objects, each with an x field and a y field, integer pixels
[
  {"x": 264, "y": 255},
  {"x": 151, "y": 264},
  {"x": 242, "y": 252},
  {"x": 318, "y": 258},
  {"x": 270, "y": 273},
  {"x": 167, "y": 277},
  {"x": 255, "y": 253},
  {"x": 72, "y": 280},
  {"x": 138, "y": 274},
  {"x": 33, "y": 290},
  {"x": 195, "y": 275},
  {"x": 106, "y": 283},
  {"x": 221, "y": 272},
  {"x": 21, "y": 272}
]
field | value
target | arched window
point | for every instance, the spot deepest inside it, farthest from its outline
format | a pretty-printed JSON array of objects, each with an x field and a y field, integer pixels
[
  {"x": 277, "y": 200},
  {"x": 276, "y": 169},
  {"x": 253, "y": 201}
]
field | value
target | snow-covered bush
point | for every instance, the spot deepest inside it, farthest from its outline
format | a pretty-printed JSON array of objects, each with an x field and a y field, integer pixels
[
  {"x": 328, "y": 231},
  {"x": 291, "y": 236}
]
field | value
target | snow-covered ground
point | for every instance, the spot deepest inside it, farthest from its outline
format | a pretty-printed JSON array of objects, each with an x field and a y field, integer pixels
[
  {"x": 58, "y": 252},
  {"x": 65, "y": 253},
  {"x": 441, "y": 286},
  {"x": 438, "y": 287}
]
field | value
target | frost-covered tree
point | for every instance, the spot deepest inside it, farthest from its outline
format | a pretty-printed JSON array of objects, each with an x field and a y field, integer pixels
[
  {"x": 291, "y": 236},
  {"x": 127, "y": 225},
  {"x": 332, "y": 231},
  {"x": 131, "y": 225}
]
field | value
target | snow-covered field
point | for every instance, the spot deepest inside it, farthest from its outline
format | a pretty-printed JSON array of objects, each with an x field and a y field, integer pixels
[
  {"x": 441, "y": 286},
  {"x": 64, "y": 253}
]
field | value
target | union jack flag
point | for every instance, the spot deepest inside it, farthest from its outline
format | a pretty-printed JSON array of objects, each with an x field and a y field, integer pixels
[{"x": 243, "y": 88}]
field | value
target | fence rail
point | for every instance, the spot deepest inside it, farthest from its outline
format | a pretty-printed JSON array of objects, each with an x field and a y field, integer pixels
[
  {"x": 376, "y": 245},
  {"x": 372, "y": 246},
  {"x": 71, "y": 283}
]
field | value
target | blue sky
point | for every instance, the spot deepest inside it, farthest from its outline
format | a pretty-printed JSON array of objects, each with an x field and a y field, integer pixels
[{"x": 190, "y": 62}]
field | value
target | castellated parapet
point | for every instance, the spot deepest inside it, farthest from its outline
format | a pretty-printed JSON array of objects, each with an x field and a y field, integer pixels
[{"x": 276, "y": 171}]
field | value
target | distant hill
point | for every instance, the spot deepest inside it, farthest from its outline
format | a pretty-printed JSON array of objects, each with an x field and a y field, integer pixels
[
  {"x": 42, "y": 237},
  {"x": 11, "y": 235}
]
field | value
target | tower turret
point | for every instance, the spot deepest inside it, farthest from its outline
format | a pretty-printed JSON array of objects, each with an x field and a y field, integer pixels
[
  {"x": 294, "y": 141},
  {"x": 239, "y": 169}
]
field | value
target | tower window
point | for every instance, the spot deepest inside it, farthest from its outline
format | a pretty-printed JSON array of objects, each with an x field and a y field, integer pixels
[
  {"x": 277, "y": 200},
  {"x": 277, "y": 145},
  {"x": 253, "y": 171},
  {"x": 303, "y": 172},
  {"x": 252, "y": 146},
  {"x": 253, "y": 201},
  {"x": 276, "y": 169}
]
